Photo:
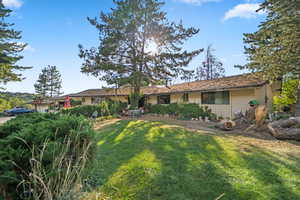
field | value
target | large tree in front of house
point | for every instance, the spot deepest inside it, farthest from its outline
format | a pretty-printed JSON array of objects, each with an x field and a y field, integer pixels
[
  {"x": 211, "y": 67},
  {"x": 10, "y": 49},
  {"x": 49, "y": 82},
  {"x": 274, "y": 50},
  {"x": 137, "y": 45}
]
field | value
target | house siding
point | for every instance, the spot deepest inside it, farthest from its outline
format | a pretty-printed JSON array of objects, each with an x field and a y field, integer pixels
[
  {"x": 239, "y": 100},
  {"x": 239, "y": 97}
]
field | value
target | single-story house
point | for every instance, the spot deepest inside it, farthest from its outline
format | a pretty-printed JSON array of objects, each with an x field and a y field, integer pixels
[
  {"x": 224, "y": 96},
  {"x": 42, "y": 105}
]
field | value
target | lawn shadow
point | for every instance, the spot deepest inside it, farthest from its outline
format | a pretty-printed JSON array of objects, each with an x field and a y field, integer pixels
[{"x": 152, "y": 160}]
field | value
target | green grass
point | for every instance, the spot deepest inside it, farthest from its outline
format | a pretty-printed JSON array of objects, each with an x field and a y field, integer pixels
[{"x": 151, "y": 160}]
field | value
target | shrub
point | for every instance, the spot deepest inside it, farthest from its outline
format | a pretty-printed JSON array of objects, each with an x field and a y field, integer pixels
[
  {"x": 105, "y": 108},
  {"x": 85, "y": 110},
  {"x": 159, "y": 109},
  {"x": 188, "y": 111},
  {"x": 75, "y": 102},
  {"x": 183, "y": 111},
  {"x": 31, "y": 147}
]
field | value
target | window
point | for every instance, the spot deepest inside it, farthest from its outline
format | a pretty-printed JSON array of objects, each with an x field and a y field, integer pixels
[
  {"x": 185, "y": 97},
  {"x": 163, "y": 99},
  {"x": 83, "y": 99},
  {"x": 97, "y": 100},
  {"x": 215, "y": 97}
]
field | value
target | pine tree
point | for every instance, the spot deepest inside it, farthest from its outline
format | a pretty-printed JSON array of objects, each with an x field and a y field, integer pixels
[
  {"x": 137, "y": 45},
  {"x": 274, "y": 50},
  {"x": 9, "y": 49},
  {"x": 49, "y": 82},
  {"x": 211, "y": 67},
  {"x": 188, "y": 75},
  {"x": 54, "y": 81},
  {"x": 41, "y": 85}
]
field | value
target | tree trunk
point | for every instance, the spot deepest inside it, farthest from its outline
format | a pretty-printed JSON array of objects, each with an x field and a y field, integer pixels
[
  {"x": 285, "y": 130},
  {"x": 135, "y": 96},
  {"x": 298, "y": 104}
]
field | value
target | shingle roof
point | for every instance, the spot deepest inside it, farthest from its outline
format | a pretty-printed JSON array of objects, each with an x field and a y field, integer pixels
[{"x": 226, "y": 83}]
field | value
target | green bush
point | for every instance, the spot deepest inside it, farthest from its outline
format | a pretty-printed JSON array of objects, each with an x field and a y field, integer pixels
[
  {"x": 85, "y": 110},
  {"x": 26, "y": 135},
  {"x": 159, "y": 109},
  {"x": 75, "y": 102},
  {"x": 105, "y": 108},
  {"x": 183, "y": 111},
  {"x": 188, "y": 111}
]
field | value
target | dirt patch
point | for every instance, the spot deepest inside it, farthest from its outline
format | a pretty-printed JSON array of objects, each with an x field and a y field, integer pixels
[
  {"x": 5, "y": 119},
  {"x": 105, "y": 123}
]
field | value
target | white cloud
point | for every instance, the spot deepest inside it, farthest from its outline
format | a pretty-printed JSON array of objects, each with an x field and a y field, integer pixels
[
  {"x": 246, "y": 10},
  {"x": 12, "y": 3},
  {"x": 198, "y": 2},
  {"x": 29, "y": 48}
]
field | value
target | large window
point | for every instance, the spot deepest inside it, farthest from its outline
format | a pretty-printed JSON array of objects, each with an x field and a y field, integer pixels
[
  {"x": 185, "y": 97},
  {"x": 97, "y": 100},
  {"x": 163, "y": 99},
  {"x": 215, "y": 97}
]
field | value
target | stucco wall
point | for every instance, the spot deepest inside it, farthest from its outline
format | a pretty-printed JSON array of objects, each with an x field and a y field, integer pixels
[
  {"x": 119, "y": 98},
  {"x": 267, "y": 91},
  {"x": 240, "y": 99},
  {"x": 152, "y": 99},
  {"x": 41, "y": 108}
]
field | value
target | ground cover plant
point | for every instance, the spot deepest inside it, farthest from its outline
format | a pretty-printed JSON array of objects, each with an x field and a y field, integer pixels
[
  {"x": 153, "y": 160},
  {"x": 42, "y": 155}
]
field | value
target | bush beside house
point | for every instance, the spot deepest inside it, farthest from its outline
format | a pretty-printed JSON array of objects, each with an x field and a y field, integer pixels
[
  {"x": 183, "y": 111},
  {"x": 105, "y": 108}
]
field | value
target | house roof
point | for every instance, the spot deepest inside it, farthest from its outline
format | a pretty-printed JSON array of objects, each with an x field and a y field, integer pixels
[{"x": 226, "y": 83}]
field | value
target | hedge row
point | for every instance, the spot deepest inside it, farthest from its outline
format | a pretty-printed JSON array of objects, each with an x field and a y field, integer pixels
[
  {"x": 105, "y": 108},
  {"x": 183, "y": 111}
]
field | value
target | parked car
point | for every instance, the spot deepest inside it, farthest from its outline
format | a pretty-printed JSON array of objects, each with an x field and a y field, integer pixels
[{"x": 18, "y": 111}]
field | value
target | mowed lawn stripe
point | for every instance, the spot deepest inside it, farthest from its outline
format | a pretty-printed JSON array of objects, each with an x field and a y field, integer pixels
[{"x": 153, "y": 160}]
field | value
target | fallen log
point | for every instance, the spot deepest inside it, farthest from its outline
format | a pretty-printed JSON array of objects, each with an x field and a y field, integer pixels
[{"x": 284, "y": 130}]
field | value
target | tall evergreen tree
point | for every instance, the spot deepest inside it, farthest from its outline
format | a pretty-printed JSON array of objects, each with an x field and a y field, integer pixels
[
  {"x": 274, "y": 50},
  {"x": 9, "y": 49},
  {"x": 55, "y": 81},
  {"x": 211, "y": 67},
  {"x": 41, "y": 85},
  {"x": 137, "y": 45},
  {"x": 49, "y": 82}
]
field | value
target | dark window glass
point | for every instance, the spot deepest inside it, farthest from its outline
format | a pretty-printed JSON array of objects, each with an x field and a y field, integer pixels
[
  {"x": 97, "y": 100},
  {"x": 185, "y": 97},
  {"x": 163, "y": 99},
  {"x": 215, "y": 97}
]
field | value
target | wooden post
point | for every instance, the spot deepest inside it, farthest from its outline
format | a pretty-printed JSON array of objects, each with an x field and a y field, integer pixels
[{"x": 298, "y": 104}]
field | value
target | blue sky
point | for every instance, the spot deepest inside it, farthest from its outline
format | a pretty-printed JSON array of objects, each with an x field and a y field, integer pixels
[{"x": 54, "y": 28}]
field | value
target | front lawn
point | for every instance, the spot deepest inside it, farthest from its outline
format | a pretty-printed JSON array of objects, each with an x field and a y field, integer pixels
[{"x": 152, "y": 160}]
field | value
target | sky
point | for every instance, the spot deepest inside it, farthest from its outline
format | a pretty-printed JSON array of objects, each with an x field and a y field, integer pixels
[{"x": 53, "y": 29}]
